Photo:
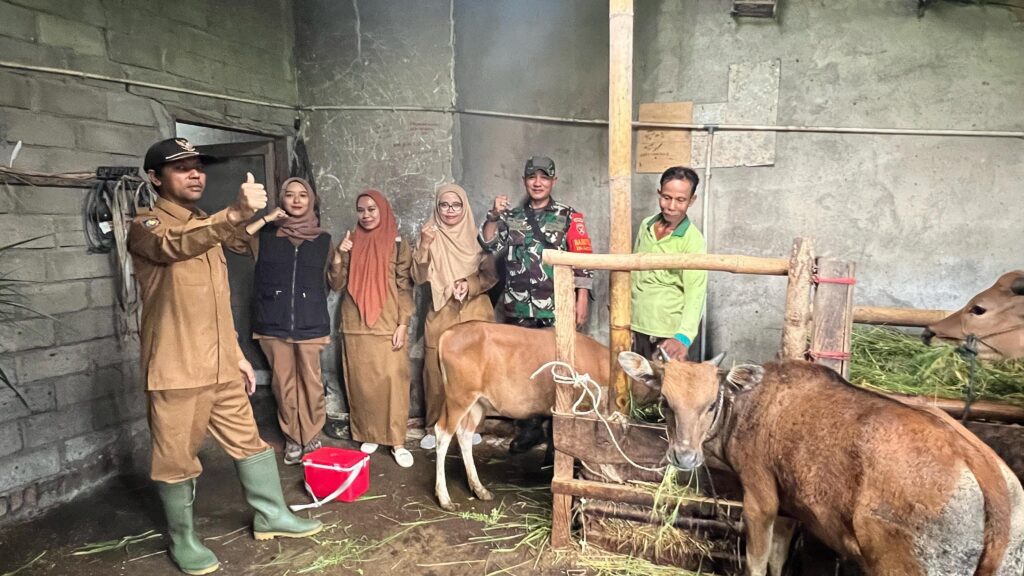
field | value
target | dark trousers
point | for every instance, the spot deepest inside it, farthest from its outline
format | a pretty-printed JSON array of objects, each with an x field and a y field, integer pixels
[{"x": 529, "y": 426}]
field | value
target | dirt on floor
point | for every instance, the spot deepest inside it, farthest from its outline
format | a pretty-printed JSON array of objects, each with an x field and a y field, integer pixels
[{"x": 396, "y": 528}]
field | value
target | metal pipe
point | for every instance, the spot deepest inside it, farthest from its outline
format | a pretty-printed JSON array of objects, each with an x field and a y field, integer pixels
[
  {"x": 705, "y": 222},
  {"x": 129, "y": 82},
  {"x": 533, "y": 117}
]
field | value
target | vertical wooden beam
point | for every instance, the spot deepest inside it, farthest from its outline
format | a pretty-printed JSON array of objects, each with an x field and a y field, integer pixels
[
  {"x": 798, "y": 301},
  {"x": 833, "y": 315},
  {"x": 565, "y": 340},
  {"x": 620, "y": 160}
]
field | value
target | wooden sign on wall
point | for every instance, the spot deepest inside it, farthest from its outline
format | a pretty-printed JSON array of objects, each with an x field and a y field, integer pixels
[{"x": 658, "y": 150}]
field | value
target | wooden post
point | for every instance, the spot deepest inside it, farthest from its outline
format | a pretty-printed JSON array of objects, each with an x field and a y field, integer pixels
[
  {"x": 833, "y": 315},
  {"x": 620, "y": 160},
  {"x": 798, "y": 301},
  {"x": 565, "y": 340}
]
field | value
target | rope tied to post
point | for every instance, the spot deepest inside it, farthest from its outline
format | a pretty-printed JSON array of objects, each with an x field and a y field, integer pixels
[{"x": 588, "y": 390}]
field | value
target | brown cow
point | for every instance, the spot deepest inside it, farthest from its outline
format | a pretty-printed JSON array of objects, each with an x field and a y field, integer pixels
[
  {"x": 488, "y": 366},
  {"x": 995, "y": 317},
  {"x": 902, "y": 489}
]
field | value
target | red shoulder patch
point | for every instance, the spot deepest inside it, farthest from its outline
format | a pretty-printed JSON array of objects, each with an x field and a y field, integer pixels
[{"x": 576, "y": 237}]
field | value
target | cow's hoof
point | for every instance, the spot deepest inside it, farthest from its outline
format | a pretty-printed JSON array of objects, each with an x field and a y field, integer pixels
[
  {"x": 484, "y": 495},
  {"x": 449, "y": 506}
]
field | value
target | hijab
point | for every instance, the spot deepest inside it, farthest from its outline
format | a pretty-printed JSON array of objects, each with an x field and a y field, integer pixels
[
  {"x": 305, "y": 227},
  {"x": 371, "y": 253},
  {"x": 455, "y": 253}
]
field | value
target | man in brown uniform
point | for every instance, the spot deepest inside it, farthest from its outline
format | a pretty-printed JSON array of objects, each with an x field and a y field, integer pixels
[{"x": 196, "y": 375}]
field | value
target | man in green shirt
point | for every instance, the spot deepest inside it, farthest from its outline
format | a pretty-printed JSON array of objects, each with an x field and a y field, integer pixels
[{"x": 667, "y": 304}]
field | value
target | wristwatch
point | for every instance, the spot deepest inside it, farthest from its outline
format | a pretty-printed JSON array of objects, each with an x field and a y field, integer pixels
[{"x": 493, "y": 216}]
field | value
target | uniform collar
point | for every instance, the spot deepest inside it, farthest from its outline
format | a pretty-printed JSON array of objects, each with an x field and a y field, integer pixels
[
  {"x": 177, "y": 211},
  {"x": 678, "y": 232}
]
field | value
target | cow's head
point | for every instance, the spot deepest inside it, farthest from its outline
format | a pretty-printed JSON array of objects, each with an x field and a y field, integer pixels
[
  {"x": 995, "y": 317},
  {"x": 692, "y": 397}
]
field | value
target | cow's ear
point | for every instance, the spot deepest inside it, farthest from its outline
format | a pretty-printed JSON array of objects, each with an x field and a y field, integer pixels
[
  {"x": 639, "y": 369},
  {"x": 1018, "y": 286},
  {"x": 745, "y": 377}
]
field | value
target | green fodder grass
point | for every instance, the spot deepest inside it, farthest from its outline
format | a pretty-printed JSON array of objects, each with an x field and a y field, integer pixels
[{"x": 889, "y": 360}]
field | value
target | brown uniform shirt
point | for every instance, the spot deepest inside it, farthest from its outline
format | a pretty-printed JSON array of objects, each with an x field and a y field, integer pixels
[
  {"x": 476, "y": 306},
  {"x": 398, "y": 307},
  {"x": 188, "y": 333}
]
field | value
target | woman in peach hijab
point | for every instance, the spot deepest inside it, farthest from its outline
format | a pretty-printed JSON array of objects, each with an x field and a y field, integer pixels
[
  {"x": 450, "y": 259},
  {"x": 370, "y": 268}
]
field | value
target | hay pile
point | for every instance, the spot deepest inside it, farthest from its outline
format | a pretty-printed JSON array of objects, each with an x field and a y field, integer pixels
[{"x": 892, "y": 361}]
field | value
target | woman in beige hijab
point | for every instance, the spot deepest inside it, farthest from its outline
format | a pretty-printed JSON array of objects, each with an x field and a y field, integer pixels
[{"x": 450, "y": 259}]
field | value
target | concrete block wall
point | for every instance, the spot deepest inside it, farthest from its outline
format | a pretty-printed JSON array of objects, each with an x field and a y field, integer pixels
[
  {"x": 376, "y": 54},
  {"x": 85, "y": 413}
]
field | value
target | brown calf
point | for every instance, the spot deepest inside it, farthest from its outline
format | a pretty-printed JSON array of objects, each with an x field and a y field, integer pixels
[
  {"x": 488, "y": 366},
  {"x": 995, "y": 317},
  {"x": 902, "y": 489}
]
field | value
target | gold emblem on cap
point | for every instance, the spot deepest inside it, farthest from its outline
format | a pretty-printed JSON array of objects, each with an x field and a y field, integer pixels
[{"x": 185, "y": 145}]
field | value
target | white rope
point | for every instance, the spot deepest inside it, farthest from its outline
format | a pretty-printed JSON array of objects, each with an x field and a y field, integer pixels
[{"x": 588, "y": 389}]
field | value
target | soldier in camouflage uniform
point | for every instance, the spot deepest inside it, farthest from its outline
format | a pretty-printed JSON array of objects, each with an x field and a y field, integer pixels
[{"x": 520, "y": 235}]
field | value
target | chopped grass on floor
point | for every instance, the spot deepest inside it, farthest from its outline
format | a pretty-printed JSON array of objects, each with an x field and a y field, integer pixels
[
  {"x": 607, "y": 564},
  {"x": 120, "y": 544},
  {"x": 26, "y": 565},
  {"x": 889, "y": 360}
]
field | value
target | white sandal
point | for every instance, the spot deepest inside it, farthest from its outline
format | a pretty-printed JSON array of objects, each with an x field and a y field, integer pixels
[
  {"x": 428, "y": 442},
  {"x": 368, "y": 448},
  {"x": 402, "y": 456}
]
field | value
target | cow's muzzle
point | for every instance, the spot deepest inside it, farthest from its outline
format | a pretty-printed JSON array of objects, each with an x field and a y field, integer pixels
[
  {"x": 686, "y": 459},
  {"x": 926, "y": 336}
]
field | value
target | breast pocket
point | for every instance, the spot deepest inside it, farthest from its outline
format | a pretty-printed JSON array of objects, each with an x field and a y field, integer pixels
[{"x": 192, "y": 272}]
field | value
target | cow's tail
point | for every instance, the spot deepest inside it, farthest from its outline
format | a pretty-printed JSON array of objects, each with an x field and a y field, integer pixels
[
  {"x": 997, "y": 509},
  {"x": 983, "y": 463}
]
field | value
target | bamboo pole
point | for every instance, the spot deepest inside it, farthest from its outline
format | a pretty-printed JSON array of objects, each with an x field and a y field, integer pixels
[
  {"x": 897, "y": 316},
  {"x": 565, "y": 340},
  {"x": 631, "y": 495},
  {"x": 798, "y": 301},
  {"x": 980, "y": 410},
  {"x": 736, "y": 264},
  {"x": 603, "y": 509},
  {"x": 620, "y": 174}
]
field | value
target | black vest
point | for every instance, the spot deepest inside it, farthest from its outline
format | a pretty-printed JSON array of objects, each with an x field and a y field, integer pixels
[{"x": 290, "y": 287}]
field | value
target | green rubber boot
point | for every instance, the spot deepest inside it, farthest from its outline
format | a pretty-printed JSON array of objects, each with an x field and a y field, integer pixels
[
  {"x": 186, "y": 549},
  {"x": 262, "y": 486}
]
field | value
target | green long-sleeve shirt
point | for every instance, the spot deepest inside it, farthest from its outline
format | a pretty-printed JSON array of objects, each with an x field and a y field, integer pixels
[{"x": 669, "y": 303}]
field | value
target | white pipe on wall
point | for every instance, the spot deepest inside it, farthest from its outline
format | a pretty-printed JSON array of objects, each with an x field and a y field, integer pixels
[{"x": 534, "y": 117}]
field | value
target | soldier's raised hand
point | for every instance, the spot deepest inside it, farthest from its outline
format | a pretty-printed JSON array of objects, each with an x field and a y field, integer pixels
[{"x": 501, "y": 203}]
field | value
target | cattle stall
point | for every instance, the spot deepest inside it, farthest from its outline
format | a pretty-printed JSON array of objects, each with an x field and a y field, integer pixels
[
  {"x": 818, "y": 323},
  {"x": 596, "y": 441}
]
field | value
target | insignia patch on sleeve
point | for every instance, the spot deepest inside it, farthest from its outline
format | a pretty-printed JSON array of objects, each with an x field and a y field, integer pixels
[
  {"x": 577, "y": 237},
  {"x": 150, "y": 223}
]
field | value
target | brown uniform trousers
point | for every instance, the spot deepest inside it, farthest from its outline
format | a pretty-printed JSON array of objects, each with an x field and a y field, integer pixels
[
  {"x": 190, "y": 350},
  {"x": 377, "y": 377},
  {"x": 297, "y": 385},
  {"x": 477, "y": 306}
]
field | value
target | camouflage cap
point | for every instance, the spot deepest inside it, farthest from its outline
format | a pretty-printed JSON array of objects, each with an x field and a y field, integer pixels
[{"x": 542, "y": 163}]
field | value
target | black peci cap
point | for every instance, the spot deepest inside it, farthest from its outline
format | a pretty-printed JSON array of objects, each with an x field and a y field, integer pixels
[{"x": 170, "y": 150}]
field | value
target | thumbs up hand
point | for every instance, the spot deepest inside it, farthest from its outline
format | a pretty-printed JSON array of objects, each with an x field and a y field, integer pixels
[
  {"x": 252, "y": 196},
  {"x": 346, "y": 244}
]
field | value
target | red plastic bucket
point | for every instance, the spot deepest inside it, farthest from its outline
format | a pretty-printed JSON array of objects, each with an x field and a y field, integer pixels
[{"x": 335, "y": 474}]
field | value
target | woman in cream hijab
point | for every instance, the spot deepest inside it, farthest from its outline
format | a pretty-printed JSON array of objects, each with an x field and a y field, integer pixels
[{"x": 450, "y": 259}]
